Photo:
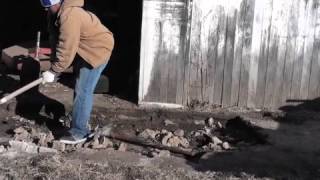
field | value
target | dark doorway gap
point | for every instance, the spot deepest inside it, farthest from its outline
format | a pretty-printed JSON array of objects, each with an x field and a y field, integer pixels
[{"x": 20, "y": 21}]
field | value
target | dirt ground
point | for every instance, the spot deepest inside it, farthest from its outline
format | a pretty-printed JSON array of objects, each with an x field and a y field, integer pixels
[{"x": 282, "y": 144}]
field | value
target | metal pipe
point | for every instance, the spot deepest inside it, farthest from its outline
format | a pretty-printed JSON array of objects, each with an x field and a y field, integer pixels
[
  {"x": 38, "y": 46},
  {"x": 21, "y": 90}
]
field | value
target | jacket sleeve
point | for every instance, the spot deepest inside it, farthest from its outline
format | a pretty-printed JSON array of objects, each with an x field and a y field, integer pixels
[{"x": 68, "y": 41}]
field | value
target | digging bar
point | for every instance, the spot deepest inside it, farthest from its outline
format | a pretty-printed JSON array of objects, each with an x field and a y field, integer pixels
[{"x": 21, "y": 90}]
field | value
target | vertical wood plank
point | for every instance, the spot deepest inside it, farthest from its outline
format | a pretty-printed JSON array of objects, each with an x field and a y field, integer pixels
[
  {"x": 149, "y": 50},
  {"x": 203, "y": 47},
  {"x": 256, "y": 76},
  {"x": 238, "y": 48},
  {"x": 290, "y": 52},
  {"x": 308, "y": 27},
  {"x": 218, "y": 74},
  {"x": 229, "y": 56},
  {"x": 277, "y": 50},
  {"x": 314, "y": 83},
  {"x": 299, "y": 53},
  {"x": 264, "y": 53},
  {"x": 246, "y": 52},
  {"x": 183, "y": 64}
]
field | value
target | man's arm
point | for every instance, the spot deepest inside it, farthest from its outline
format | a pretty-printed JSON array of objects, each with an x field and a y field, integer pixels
[{"x": 68, "y": 41}]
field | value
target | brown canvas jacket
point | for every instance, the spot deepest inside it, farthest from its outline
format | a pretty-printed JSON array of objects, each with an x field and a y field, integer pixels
[{"x": 77, "y": 31}]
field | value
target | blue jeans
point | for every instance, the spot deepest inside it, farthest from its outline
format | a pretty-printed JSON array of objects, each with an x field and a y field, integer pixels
[{"x": 86, "y": 82}]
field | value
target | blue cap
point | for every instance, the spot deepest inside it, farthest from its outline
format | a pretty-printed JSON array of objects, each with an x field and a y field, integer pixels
[{"x": 49, "y": 3}]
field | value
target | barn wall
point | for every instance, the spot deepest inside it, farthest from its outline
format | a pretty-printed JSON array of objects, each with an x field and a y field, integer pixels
[{"x": 252, "y": 53}]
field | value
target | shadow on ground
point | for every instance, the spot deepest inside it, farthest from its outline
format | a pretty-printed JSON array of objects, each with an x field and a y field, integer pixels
[
  {"x": 293, "y": 151},
  {"x": 32, "y": 104}
]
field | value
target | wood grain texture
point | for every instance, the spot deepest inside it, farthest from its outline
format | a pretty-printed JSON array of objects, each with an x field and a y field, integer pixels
[{"x": 230, "y": 52}]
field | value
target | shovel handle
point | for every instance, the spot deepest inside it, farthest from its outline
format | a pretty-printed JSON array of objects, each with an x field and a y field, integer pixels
[{"x": 21, "y": 90}]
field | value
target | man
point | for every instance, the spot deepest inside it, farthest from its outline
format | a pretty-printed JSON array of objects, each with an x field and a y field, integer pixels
[{"x": 77, "y": 36}]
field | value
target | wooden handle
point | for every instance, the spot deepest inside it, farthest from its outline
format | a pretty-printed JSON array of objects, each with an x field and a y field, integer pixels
[{"x": 21, "y": 90}]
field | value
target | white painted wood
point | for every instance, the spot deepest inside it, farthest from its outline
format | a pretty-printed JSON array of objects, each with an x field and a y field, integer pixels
[
  {"x": 160, "y": 105},
  {"x": 308, "y": 27},
  {"x": 255, "y": 51}
]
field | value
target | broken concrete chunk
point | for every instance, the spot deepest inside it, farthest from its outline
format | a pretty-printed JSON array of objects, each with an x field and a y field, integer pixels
[
  {"x": 184, "y": 142},
  {"x": 49, "y": 137},
  {"x": 167, "y": 122},
  {"x": 215, "y": 140},
  {"x": 42, "y": 139},
  {"x": 226, "y": 146},
  {"x": 164, "y": 131},
  {"x": 148, "y": 133},
  {"x": 2, "y": 149},
  {"x": 199, "y": 122},
  {"x": 164, "y": 153},
  {"x": 123, "y": 147},
  {"x": 179, "y": 132},
  {"x": 210, "y": 122},
  {"x": 214, "y": 147},
  {"x": 219, "y": 125},
  {"x": 24, "y": 147},
  {"x": 47, "y": 150},
  {"x": 207, "y": 130},
  {"x": 21, "y": 134},
  {"x": 165, "y": 139},
  {"x": 173, "y": 141},
  {"x": 59, "y": 146},
  {"x": 107, "y": 142}
]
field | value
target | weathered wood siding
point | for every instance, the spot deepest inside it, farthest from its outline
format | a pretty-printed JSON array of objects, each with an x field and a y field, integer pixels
[{"x": 254, "y": 53}]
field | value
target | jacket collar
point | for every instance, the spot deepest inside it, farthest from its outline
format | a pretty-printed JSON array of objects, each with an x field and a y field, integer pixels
[{"x": 70, "y": 3}]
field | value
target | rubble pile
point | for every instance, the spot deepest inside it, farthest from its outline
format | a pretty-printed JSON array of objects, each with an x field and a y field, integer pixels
[
  {"x": 179, "y": 138},
  {"x": 208, "y": 135}
]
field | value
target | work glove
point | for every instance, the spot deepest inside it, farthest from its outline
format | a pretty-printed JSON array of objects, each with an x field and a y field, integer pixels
[{"x": 48, "y": 77}]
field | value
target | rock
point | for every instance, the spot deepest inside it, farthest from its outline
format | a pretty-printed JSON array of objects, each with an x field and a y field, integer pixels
[
  {"x": 21, "y": 134},
  {"x": 95, "y": 144},
  {"x": 123, "y": 147},
  {"x": 179, "y": 132},
  {"x": 2, "y": 149},
  {"x": 199, "y": 122},
  {"x": 165, "y": 139},
  {"x": 214, "y": 147},
  {"x": 167, "y": 122},
  {"x": 20, "y": 130},
  {"x": 100, "y": 143},
  {"x": 34, "y": 133},
  {"x": 226, "y": 146},
  {"x": 164, "y": 131},
  {"x": 80, "y": 145},
  {"x": 47, "y": 150},
  {"x": 105, "y": 131},
  {"x": 173, "y": 141},
  {"x": 184, "y": 142},
  {"x": 148, "y": 133},
  {"x": 215, "y": 140},
  {"x": 196, "y": 134},
  {"x": 106, "y": 142},
  {"x": 59, "y": 146},
  {"x": 24, "y": 147},
  {"x": 49, "y": 137},
  {"x": 210, "y": 122},
  {"x": 207, "y": 130},
  {"x": 164, "y": 153},
  {"x": 219, "y": 125},
  {"x": 42, "y": 140}
]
